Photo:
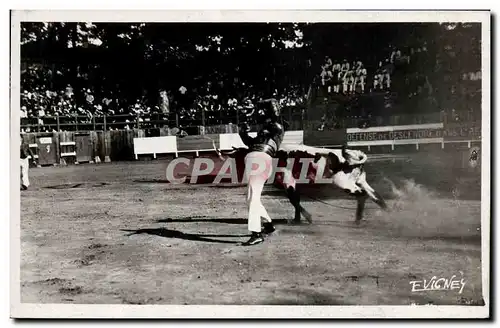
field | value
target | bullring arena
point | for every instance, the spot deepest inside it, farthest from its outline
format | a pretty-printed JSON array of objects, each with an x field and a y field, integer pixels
[
  {"x": 120, "y": 233},
  {"x": 107, "y": 104}
]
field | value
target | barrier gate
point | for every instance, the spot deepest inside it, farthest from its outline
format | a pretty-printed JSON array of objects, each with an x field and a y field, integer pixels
[
  {"x": 47, "y": 150},
  {"x": 83, "y": 148}
]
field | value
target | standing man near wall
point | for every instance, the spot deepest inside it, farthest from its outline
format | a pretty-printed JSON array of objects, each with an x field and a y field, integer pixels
[
  {"x": 25, "y": 164},
  {"x": 262, "y": 150}
]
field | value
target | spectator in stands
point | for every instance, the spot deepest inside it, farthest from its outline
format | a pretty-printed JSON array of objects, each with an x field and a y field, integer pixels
[
  {"x": 24, "y": 112},
  {"x": 347, "y": 82},
  {"x": 339, "y": 80},
  {"x": 352, "y": 81},
  {"x": 395, "y": 55},
  {"x": 326, "y": 78},
  {"x": 345, "y": 66},
  {"x": 164, "y": 102},
  {"x": 335, "y": 78},
  {"x": 361, "y": 76},
  {"x": 89, "y": 97},
  {"x": 387, "y": 72},
  {"x": 378, "y": 78},
  {"x": 182, "y": 90},
  {"x": 336, "y": 68},
  {"x": 232, "y": 103},
  {"x": 182, "y": 97},
  {"x": 387, "y": 80},
  {"x": 41, "y": 114},
  {"x": 69, "y": 91},
  {"x": 328, "y": 63},
  {"x": 178, "y": 131},
  {"x": 323, "y": 75}
]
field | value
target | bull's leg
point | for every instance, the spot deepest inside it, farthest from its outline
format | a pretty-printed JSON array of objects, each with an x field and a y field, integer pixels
[
  {"x": 361, "y": 199},
  {"x": 294, "y": 197},
  {"x": 371, "y": 193}
]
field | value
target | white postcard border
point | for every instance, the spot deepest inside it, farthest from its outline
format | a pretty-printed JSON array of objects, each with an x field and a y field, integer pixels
[{"x": 25, "y": 310}]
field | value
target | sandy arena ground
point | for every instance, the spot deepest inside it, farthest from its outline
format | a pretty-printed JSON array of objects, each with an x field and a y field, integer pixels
[{"x": 118, "y": 233}]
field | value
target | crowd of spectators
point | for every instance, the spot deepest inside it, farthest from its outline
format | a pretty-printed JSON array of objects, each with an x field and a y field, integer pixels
[
  {"x": 42, "y": 107},
  {"x": 415, "y": 80},
  {"x": 351, "y": 77},
  {"x": 411, "y": 69}
]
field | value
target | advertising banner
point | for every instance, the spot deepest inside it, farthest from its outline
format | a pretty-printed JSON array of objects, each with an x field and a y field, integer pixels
[
  {"x": 462, "y": 131},
  {"x": 391, "y": 135}
]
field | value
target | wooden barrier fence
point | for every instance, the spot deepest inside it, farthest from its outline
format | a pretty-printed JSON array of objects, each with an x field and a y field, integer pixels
[
  {"x": 120, "y": 145},
  {"x": 117, "y": 145}
]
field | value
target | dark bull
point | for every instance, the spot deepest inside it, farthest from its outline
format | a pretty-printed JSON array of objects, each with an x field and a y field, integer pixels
[{"x": 324, "y": 164}]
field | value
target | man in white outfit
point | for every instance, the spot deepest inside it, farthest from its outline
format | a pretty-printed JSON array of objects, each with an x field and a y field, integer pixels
[
  {"x": 25, "y": 164},
  {"x": 258, "y": 168}
]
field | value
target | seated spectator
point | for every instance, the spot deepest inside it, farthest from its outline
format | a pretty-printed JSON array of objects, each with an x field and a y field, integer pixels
[
  {"x": 345, "y": 66},
  {"x": 347, "y": 82},
  {"x": 340, "y": 78},
  {"x": 232, "y": 103},
  {"x": 323, "y": 75},
  {"x": 350, "y": 81},
  {"x": 41, "y": 111},
  {"x": 395, "y": 55},
  {"x": 89, "y": 97},
  {"x": 329, "y": 80},
  {"x": 328, "y": 62},
  {"x": 336, "y": 68},
  {"x": 336, "y": 79},
  {"x": 69, "y": 91},
  {"x": 387, "y": 72},
  {"x": 361, "y": 76},
  {"x": 378, "y": 78}
]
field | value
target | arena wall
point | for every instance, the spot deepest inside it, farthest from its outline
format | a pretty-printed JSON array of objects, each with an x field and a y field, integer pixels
[{"x": 118, "y": 145}]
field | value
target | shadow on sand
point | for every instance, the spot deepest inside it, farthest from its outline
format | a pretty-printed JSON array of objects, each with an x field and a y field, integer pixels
[
  {"x": 214, "y": 220},
  {"x": 200, "y": 180},
  {"x": 167, "y": 233}
]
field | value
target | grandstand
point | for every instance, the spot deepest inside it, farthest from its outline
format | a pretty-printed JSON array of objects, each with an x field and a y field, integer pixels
[{"x": 408, "y": 82}]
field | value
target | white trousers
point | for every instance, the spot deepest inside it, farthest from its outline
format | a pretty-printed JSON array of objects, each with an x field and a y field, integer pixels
[
  {"x": 25, "y": 164},
  {"x": 258, "y": 168}
]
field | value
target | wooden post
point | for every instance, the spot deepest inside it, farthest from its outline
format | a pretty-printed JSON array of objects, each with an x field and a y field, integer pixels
[
  {"x": 58, "y": 123},
  {"x": 203, "y": 116},
  {"x": 104, "y": 122}
]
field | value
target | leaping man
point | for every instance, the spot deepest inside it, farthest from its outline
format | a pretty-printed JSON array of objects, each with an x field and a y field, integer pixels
[{"x": 258, "y": 168}]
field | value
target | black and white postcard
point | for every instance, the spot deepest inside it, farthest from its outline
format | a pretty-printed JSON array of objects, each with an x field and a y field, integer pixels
[{"x": 250, "y": 164}]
